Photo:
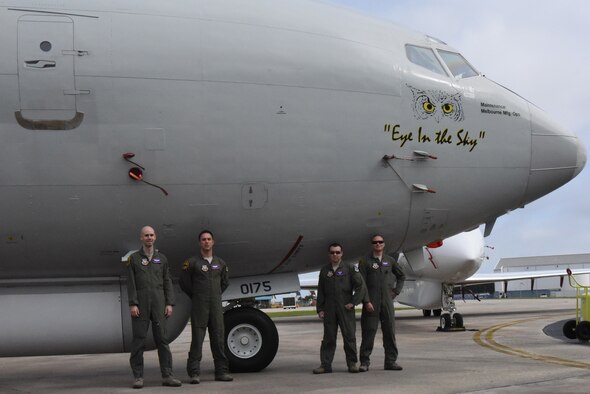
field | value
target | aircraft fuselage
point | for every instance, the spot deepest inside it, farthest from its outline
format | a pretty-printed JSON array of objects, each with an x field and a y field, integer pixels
[
  {"x": 267, "y": 129},
  {"x": 281, "y": 128}
]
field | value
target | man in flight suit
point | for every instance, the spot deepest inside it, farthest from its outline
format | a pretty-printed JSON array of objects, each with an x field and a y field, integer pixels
[
  {"x": 151, "y": 297},
  {"x": 204, "y": 277},
  {"x": 384, "y": 280},
  {"x": 340, "y": 288}
]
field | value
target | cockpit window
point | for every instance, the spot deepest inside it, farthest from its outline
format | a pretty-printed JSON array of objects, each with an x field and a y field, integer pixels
[
  {"x": 424, "y": 57},
  {"x": 457, "y": 64}
]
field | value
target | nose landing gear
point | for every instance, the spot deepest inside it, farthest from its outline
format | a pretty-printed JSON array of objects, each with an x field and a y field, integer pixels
[{"x": 449, "y": 319}]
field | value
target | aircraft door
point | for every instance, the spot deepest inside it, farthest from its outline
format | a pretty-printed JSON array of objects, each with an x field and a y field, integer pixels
[{"x": 46, "y": 73}]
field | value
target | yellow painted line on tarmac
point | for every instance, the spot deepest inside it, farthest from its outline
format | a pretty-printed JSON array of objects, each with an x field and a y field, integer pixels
[{"x": 486, "y": 339}]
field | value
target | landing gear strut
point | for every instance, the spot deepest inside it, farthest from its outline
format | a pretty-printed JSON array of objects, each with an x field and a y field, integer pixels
[
  {"x": 449, "y": 319},
  {"x": 428, "y": 312}
]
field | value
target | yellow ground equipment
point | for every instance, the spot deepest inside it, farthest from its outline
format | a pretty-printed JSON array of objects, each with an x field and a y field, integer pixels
[{"x": 579, "y": 328}]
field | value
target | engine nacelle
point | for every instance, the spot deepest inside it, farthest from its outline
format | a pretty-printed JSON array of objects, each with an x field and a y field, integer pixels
[
  {"x": 421, "y": 294},
  {"x": 72, "y": 316},
  {"x": 459, "y": 257}
]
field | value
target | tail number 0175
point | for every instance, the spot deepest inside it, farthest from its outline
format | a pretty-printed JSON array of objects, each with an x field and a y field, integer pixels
[{"x": 255, "y": 287}]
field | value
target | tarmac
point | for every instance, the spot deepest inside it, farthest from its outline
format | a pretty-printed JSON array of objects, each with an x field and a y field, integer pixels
[{"x": 509, "y": 346}]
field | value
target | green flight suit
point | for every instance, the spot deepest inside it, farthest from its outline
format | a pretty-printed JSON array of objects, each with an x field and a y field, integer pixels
[
  {"x": 149, "y": 287},
  {"x": 337, "y": 288},
  {"x": 204, "y": 283},
  {"x": 384, "y": 280}
]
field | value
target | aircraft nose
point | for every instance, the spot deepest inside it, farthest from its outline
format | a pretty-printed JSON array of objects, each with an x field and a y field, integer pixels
[
  {"x": 581, "y": 161},
  {"x": 557, "y": 156}
]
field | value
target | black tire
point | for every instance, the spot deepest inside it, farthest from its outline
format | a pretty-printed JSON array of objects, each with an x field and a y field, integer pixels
[
  {"x": 251, "y": 339},
  {"x": 436, "y": 312},
  {"x": 445, "y": 321},
  {"x": 583, "y": 330},
  {"x": 458, "y": 320},
  {"x": 569, "y": 329},
  {"x": 426, "y": 312}
]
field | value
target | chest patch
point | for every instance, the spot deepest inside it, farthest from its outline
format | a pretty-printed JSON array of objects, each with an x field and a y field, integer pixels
[
  {"x": 215, "y": 267},
  {"x": 340, "y": 273},
  {"x": 204, "y": 268},
  {"x": 375, "y": 266},
  {"x": 156, "y": 261},
  {"x": 145, "y": 261},
  {"x": 330, "y": 274},
  {"x": 386, "y": 264}
]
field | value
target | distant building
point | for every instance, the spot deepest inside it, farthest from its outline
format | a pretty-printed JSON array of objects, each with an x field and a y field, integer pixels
[
  {"x": 543, "y": 286},
  {"x": 264, "y": 301}
]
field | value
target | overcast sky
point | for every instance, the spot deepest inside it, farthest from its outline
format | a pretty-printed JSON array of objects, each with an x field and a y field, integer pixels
[{"x": 540, "y": 50}]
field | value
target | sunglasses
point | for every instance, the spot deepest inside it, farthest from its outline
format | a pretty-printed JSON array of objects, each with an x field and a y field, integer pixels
[
  {"x": 335, "y": 252},
  {"x": 377, "y": 242}
]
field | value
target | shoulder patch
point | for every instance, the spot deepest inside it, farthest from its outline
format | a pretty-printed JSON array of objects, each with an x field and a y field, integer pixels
[
  {"x": 356, "y": 267},
  {"x": 128, "y": 263},
  {"x": 185, "y": 265}
]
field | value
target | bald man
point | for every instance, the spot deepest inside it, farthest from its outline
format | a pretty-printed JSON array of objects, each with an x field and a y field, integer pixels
[{"x": 151, "y": 297}]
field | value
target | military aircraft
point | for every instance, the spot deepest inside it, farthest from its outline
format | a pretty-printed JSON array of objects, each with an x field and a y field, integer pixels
[{"x": 279, "y": 128}]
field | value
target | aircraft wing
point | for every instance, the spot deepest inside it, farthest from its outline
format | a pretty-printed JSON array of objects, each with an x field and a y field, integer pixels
[
  {"x": 311, "y": 282},
  {"x": 508, "y": 276}
]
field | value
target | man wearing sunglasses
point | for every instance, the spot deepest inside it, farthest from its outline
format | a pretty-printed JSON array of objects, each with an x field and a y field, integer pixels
[
  {"x": 384, "y": 280},
  {"x": 340, "y": 288}
]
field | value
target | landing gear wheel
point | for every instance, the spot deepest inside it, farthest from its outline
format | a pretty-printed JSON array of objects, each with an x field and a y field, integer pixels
[
  {"x": 569, "y": 329},
  {"x": 445, "y": 321},
  {"x": 426, "y": 312},
  {"x": 251, "y": 339},
  {"x": 437, "y": 312},
  {"x": 457, "y": 320},
  {"x": 583, "y": 331}
]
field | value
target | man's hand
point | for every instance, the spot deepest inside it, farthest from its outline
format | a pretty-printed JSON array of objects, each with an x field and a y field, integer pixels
[
  {"x": 134, "y": 311},
  {"x": 369, "y": 307},
  {"x": 168, "y": 311},
  {"x": 321, "y": 315},
  {"x": 349, "y": 306}
]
